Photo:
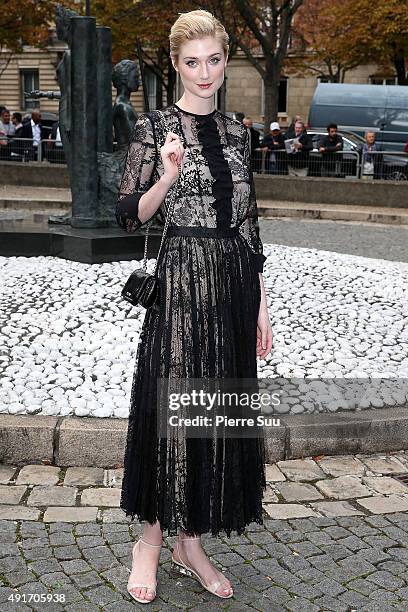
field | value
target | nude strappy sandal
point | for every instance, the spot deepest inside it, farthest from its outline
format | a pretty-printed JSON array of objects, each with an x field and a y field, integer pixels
[
  {"x": 150, "y": 587},
  {"x": 183, "y": 568}
]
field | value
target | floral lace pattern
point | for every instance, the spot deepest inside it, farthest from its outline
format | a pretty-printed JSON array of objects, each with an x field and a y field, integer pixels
[
  {"x": 205, "y": 326},
  {"x": 206, "y": 196}
]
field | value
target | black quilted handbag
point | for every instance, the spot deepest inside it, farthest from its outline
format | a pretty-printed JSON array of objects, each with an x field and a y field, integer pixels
[{"x": 141, "y": 287}]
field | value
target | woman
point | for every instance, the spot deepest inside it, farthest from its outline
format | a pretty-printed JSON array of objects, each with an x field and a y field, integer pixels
[{"x": 212, "y": 321}]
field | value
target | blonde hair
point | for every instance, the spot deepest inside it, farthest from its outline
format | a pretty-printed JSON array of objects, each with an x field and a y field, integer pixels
[{"x": 193, "y": 25}]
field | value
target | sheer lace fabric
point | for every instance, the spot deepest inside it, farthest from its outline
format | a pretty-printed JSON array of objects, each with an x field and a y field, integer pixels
[
  {"x": 205, "y": 327},
  {"x": 206, "y": 196}
]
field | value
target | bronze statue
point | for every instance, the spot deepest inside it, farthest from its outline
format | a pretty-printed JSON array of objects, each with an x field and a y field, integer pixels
[
  {"x": 63, "y": 27},
  {"x": 125, "y": 79},
  {"x": 87, "y": 119}
]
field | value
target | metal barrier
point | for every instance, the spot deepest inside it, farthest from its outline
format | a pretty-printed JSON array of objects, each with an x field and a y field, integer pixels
[
  {"x": 385, "y": 165},
  {"x": 369, "y": 165},
  {"x": 342, "y": 164},
  {"x": 52, "y": 151},
  {"x": 16, "y": 149},
  {"x": 24, "y": 150}
]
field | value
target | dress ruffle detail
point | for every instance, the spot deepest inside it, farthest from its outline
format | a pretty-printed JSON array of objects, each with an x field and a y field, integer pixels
[{"x": 208, "y": 135}]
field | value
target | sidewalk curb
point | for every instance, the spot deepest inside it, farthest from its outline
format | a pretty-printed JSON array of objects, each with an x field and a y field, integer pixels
[
  {"x": 100, "y": 442},
  {"x": 33, "y": 204},
  {"x": 332, "y": 212}
]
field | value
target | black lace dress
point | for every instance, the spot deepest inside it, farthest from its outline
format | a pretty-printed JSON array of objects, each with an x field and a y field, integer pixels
[{"x": 208, "y": 268}]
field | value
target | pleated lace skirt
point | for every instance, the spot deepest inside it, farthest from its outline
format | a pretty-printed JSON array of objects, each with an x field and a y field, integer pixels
[{"x": 205, "y": 328}]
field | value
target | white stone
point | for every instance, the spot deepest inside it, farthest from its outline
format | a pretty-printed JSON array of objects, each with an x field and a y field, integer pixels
[{"x": 82, "y": 333}]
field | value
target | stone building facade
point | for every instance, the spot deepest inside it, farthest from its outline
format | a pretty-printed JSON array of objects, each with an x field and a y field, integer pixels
[{"x": 35, "y": 69}]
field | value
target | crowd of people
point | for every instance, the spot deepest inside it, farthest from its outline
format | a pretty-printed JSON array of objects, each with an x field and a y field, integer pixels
[
  {"x": 288, "y": 152},
  {"x": 23, "y": 136},
  {"x": 10, "y": 124}
]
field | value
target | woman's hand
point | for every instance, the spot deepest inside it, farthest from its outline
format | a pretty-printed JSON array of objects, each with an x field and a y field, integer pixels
[
  {"x": 264, "y": 329},
  {"x": 263, "y": 333},
  {"x": 172, "y": 154}
]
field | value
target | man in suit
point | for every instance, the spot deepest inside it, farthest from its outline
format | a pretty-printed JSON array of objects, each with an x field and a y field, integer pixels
[{"x": 34, "y": 130}]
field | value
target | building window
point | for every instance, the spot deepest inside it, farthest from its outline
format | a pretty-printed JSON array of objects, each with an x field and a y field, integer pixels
[
  {"x": 29, "y": 80},
  {"x": 282, "y": 97},
  {"x": 383, "y": 80},
  {"x": 150, "y": 81}
]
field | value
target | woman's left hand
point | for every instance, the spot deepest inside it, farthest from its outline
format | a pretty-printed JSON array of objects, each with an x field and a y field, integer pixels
[{"x": 263, "y": 333}]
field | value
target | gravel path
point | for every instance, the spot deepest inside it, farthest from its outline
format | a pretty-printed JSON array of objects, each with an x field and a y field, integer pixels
[{"x": 377, "y": 240}]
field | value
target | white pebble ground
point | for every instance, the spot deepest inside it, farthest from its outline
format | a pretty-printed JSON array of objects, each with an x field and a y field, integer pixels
[{"x": 68, "y": 340}]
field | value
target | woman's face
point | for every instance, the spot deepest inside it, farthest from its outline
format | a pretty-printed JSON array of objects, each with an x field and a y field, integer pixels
[{"x": 201, "y": 61}]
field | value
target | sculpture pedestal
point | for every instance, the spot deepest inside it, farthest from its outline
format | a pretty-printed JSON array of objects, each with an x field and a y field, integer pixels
[{"x": 33, "y": 236}]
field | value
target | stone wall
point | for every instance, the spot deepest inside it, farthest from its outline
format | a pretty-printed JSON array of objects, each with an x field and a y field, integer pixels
[{"x": 279, "y": 188}]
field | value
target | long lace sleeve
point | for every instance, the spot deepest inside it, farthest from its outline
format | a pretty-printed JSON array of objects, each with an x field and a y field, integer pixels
[
  {"x": 249, "y": 229},
  {"x": 137, "y": 175}
]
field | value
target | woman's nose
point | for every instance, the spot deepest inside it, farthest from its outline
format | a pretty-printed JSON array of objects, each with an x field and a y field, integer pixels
[{"x": 204, "y": 72}]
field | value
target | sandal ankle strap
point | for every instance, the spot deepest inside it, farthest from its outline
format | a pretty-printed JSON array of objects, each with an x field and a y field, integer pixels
[{"x": 148, "y": 543}]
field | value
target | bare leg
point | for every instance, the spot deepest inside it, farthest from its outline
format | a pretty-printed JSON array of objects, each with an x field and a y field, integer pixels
[
  {"x": 195, "y": 556},
  {"x": 146, "y": 560}
]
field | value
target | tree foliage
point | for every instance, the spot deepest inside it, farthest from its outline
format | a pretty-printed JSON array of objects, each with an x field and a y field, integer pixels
[
  {"x": 334, "y": 36},
  {"x": 382, "y": 28},
  {"x": 324, "y": 45},
  {"x": 23, "y": 22},
  {"x": 261, "y": 29}
]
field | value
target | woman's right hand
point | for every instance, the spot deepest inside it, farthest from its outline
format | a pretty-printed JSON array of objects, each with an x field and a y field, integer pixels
[{"x": 172, "y": 154}]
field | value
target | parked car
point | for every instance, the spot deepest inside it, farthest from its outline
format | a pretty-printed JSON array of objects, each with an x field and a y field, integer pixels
[{"x": 390, "y": 167}]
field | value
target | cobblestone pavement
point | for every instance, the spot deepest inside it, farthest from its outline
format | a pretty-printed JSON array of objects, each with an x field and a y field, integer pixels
[
  {"x": 354, "y": 238},
  {"x": 334, "y": 537}
]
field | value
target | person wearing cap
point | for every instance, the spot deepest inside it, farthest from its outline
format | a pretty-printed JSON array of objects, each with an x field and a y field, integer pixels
[{"x": 274, "y": 143}]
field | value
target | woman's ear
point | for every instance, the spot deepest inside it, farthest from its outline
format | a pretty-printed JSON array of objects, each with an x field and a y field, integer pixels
[{"x": 174, "y": 64}]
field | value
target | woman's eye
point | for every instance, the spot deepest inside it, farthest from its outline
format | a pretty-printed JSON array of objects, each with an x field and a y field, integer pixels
[{"x": 214, "y": 60}]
